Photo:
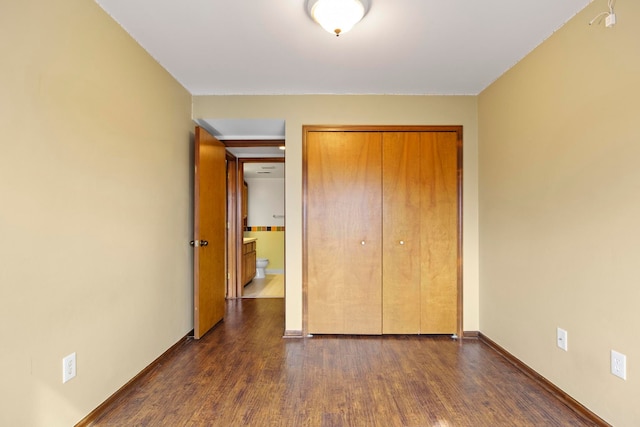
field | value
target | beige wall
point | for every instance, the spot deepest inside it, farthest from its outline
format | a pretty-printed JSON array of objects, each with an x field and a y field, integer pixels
[
  {"x": 94, "y": 217},
  {"x": 559, "y": 206},
  {"x": 361, "y": 110}
]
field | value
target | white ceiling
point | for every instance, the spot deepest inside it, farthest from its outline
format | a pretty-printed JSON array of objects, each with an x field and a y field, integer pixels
[
  {"x": 259, "y": 130},
  {"x": 238, "y": 129},
  {"x": 256, "y": 151},
  {"x": 450, "y": 47},
  {"x": 265, "y": 47}
]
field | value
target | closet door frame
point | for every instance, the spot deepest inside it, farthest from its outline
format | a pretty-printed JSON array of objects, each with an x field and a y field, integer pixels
[{"x": 306, "y": 129}]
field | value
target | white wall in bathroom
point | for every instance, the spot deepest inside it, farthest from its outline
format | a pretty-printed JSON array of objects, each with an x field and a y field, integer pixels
[{"x": 266, "y": 199}]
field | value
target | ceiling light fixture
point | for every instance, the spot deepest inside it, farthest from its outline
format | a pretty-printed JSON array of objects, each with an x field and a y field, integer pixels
[{"x": 337, "y": 16}]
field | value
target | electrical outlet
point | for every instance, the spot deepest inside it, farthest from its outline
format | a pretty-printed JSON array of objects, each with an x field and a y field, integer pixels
[
  {"x": 619, "y": 364},
  {"x": 561, "y": 339},
  {"x": 68, "y": 367}
]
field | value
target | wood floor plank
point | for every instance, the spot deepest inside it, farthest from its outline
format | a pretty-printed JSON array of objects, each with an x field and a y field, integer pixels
[{"x": 244, "y": 373}]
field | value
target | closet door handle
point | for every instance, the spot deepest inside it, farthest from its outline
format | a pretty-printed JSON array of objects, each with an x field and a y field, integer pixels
[
  {"x": 362, "y": 243},
  {"x": 402, "y": 242}
]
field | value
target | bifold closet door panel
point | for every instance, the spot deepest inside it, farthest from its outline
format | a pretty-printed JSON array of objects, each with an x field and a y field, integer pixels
[
  {"x": 439, "y": 232},
  {"x": 344, "y": 222},
  {"x": 401, "y": 233}
]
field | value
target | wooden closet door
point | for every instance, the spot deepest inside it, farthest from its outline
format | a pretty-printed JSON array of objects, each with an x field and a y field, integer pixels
[
  {"x": 401, "y": 233},
  {"x": 344, "y": 224},
  {"x": 439, "y": 232}
]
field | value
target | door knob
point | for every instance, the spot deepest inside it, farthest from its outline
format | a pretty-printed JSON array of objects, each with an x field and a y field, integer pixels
[
  {"x": 204, "y": 243},
  {"x": 199, "y": 243},
  {"x": 402, "y": 242},
  {"x": 192, "y": 243},
  {"x": 362, "y": 243}
]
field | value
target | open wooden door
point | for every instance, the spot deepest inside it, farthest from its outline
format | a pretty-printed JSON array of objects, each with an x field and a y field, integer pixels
[{"x": 209, "y": 264}]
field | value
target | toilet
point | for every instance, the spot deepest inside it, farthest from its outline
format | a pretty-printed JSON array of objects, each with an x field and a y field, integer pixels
[{"x": 261, "y": 264}]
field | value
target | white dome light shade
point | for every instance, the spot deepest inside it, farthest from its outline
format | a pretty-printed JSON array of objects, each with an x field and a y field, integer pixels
[{"x": 337, "y": 16}]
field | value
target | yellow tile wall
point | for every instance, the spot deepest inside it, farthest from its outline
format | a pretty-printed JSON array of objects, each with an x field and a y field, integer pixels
[{"x": 270, "y": 245}]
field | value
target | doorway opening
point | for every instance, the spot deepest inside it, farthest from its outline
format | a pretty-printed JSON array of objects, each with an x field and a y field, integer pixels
[
  {"x": 255, "y": 212},
  {"x": 248, "y": 142},
  {"x": 263, "y": 227}
]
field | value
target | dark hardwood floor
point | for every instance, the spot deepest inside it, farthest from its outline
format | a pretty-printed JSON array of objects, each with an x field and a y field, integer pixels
[{"x": 243, "y": 373}]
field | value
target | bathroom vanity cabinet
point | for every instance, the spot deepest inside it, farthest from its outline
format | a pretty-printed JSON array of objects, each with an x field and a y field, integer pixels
[
  {"x": 248, "y": 260},
  {"x": 382, "y": 232}
]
